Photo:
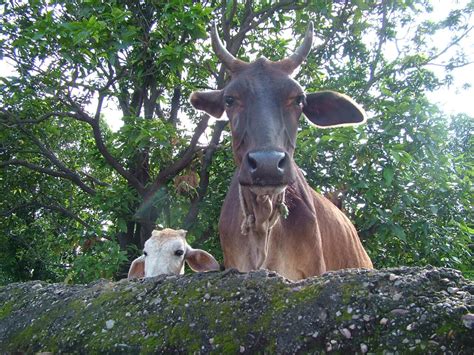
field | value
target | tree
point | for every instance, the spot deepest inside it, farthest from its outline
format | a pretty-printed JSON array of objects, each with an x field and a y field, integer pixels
[{"x": 70, "y": 182}]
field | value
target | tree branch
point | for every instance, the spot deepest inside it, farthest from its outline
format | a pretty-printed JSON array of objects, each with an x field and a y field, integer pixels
[
  {"x": 94, "y": 180},
  {"x": 100, "y": 144},
  {"x": 57, "y": 208},
  {"x": 428, "y": 61},
  {"x": 249, "y": 24},
  {"x": 455, "y": 42},
  {"x": 67, "y": 213},
  {"x": 99, "y": 141},
  {"x": 378, "y": 51},
  {"x": 16, "y": 121},
  {"x": 451, "y": 66},
  {"x": 9, "y": 212},
  {"x": 204, "y": 174},
  {"x": 35, "y": 167},
  {"x": 173, "y": 119},
  {"x": 68, "y": 173},
  {"x": 342, "y": 16},
  {"x": 185, "y": 158}
]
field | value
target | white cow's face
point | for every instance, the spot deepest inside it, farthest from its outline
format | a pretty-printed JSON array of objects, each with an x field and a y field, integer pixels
[{"x": 165, "y": 253}]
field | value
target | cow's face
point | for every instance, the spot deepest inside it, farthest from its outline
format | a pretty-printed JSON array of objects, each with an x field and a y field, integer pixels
[
  {"x": 165, "y": 253},
  {"x": 263, "y": 104}
]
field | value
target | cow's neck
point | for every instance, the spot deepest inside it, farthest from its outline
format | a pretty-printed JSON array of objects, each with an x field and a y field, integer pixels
[{"x": 260, "y": 213}]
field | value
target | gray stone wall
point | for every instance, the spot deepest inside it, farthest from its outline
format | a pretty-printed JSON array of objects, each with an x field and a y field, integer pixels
[{"x": 423, "y": 310}]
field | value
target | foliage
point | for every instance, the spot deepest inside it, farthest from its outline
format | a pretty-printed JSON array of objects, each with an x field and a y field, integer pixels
[
  {"x": 102, "y": 260},
  {"x": 67, "y": 179}
]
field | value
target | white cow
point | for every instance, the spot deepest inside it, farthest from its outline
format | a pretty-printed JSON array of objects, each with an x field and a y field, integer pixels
[{"x": 165, "y": 253}]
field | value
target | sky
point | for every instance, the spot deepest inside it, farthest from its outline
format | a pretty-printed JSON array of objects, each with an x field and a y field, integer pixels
[{"x": 452, "y": 100}]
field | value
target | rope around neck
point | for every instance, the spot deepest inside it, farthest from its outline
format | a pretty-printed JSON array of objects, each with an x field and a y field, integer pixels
[{"x": 279, "y": 209}]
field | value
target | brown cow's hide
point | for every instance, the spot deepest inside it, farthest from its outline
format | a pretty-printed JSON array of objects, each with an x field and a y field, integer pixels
[{"x": 255, "y": 235}]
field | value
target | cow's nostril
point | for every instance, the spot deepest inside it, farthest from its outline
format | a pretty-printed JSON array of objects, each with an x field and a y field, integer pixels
[
  {"x": 282, "y": 163},
  {"x": 267, "y": 167},
  {"x": 252, "y": 162}
]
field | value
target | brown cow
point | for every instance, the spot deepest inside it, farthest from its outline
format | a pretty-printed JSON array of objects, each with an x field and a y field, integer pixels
[{"x": 271, "y": 217}]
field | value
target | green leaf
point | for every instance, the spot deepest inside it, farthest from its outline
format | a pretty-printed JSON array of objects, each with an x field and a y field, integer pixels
[
  {"x": 388, "y": 173},
  {"x": 122, "y": 225},
  {"x": 434, "y": 209},
  {"x": 398, "y": 232}
]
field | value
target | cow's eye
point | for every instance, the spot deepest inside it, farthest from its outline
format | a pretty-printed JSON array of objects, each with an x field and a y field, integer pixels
[
  {"x": 299, "y": 100},
  {"x": 145, "y": 253},
  {"x": 179, "y": 252},
  {"x": 229, "y": 101}
]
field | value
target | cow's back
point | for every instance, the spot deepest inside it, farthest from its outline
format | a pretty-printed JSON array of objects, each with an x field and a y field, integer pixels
[{"x": 341, "y": 244}]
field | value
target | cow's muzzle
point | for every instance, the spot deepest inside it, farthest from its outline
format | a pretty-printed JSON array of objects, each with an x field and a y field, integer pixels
[{"x": 268, "y": 168}]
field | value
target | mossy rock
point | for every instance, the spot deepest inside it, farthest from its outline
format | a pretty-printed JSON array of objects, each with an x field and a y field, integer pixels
[{"x": 422, "y": 310}]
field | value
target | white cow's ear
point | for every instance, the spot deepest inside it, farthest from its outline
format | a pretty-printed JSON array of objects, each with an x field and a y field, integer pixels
[
  {"x": 137, "y": 269},
  {"x": 200, "y": 260},
  {"x": 182, "y": 232}
]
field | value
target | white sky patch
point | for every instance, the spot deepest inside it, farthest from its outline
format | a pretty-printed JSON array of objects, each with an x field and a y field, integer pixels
[
  {"x": 457, "y": 97},
  {"x": 111, "y": 113},
  {"x": 6, "y": 68}
]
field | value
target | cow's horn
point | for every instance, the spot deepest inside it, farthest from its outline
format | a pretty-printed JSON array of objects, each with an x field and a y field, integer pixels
[
  {"x": 230, "y": 62},
  {"x": 294, "y": 61}
]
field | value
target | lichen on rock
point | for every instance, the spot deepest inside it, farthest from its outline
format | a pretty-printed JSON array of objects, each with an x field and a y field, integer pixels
[{"x": 365, "y": 311}]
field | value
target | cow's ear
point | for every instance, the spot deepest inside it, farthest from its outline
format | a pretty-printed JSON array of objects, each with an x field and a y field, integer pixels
[
  {"x": 330, "y": 108},
  {"x": 137, "y": 269},
  {"x": 210, "y": 102},
  {"x": 200, "y": 260}
]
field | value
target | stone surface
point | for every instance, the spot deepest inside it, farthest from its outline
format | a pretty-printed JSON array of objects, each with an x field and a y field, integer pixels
[{"x": 230, "y": 312}]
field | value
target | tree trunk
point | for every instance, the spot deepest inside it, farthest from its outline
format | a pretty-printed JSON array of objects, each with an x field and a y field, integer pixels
[{"x": 127, "y": 238}]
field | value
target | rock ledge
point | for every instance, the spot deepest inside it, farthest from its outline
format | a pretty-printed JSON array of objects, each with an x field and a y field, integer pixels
[{"x": 427, "y": 310}]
